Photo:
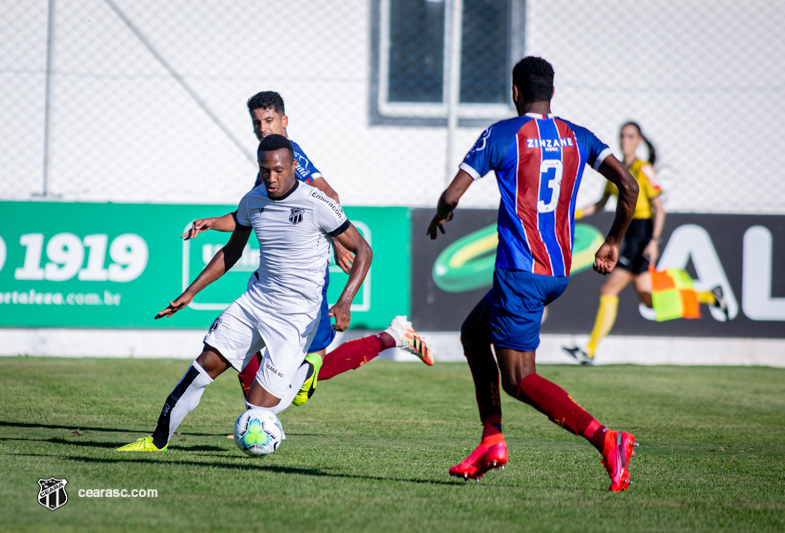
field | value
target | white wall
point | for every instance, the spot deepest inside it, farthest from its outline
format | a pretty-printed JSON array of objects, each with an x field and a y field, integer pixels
[
  {"x": 186, "y": 344},
  {"x": 705, "y": 79}
]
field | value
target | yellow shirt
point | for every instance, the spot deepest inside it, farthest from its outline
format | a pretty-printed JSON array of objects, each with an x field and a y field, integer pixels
[{"x": 648, "y": 188}]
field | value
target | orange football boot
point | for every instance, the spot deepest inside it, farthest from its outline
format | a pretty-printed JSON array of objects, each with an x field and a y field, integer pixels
[
  {"x": 616, "y": 454},
  {"x": 481, "y": 460}
]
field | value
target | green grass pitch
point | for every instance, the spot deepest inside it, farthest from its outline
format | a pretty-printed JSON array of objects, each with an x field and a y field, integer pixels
[{"x": 370, "y": 452}]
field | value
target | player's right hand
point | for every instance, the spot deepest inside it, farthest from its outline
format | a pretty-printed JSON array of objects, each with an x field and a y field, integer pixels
[
  {"x": 606, "y": 257},
  {"x": 198, "y": 226},
  {"x": 342, "y": 314},
  {"x": 180, "y": 302},
  {"x": 343, "y": 257},
  {"x": 437, "y": 222}
]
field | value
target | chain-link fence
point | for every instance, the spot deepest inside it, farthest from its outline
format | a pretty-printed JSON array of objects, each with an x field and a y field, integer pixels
[{"x": 120, "y": 100}]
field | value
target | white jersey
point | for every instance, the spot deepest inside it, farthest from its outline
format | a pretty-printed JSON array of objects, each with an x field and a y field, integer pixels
[{"x": 294, "y": 233}]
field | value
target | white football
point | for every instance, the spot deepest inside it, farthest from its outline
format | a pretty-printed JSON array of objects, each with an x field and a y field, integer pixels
[{"x": 258, "y": 432}]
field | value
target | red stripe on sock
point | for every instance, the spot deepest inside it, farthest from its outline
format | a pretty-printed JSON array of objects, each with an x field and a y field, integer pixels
[
  {"x": 492, "y": 431},
  {"x": 493, "y": 420},
  {"x": 248, "y": 374}
]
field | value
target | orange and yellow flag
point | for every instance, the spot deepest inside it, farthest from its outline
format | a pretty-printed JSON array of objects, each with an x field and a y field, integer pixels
[{"x": 673, "y": 295}]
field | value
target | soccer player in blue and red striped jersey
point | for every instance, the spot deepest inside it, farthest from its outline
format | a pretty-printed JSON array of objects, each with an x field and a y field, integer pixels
[{"x": 538, "y": 160}]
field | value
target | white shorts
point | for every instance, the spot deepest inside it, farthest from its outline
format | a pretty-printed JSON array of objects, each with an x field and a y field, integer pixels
[{"x": 244, "y": 329}]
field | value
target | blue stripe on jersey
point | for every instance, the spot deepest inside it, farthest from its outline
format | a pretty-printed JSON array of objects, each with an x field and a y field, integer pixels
[
  {"x": 513, "y": 247},
  {"x": 550, "y": 180},
  {"x": 517, "y": 250}
]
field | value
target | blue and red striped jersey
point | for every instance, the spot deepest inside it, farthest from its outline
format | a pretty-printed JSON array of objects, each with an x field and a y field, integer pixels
[{"x": 539, "y": 161}]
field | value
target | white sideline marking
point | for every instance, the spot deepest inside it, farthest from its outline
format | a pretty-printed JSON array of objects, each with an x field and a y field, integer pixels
[{"x": 187, "y": 344}]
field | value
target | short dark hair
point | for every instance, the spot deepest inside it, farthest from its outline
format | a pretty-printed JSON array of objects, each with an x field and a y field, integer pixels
[
  {"x": 274, "y": 142},
  {"x": 266, "y": 100},
  {"x": 533, "y": 76}
]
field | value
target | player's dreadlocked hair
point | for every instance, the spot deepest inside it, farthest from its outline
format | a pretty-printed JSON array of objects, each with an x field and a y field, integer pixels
[
  {"x": 271, "y": 143},
  {"x": 533, "y": 76},
  {"x": 266, "y": 100},
  {"x": 649, "y": 146}
]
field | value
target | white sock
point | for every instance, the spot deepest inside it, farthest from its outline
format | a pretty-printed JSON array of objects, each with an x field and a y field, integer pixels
[{"x": 182, "y": 400}]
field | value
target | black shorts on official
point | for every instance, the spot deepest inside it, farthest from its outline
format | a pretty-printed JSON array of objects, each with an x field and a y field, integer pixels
[{"x": 635, "y": 241}]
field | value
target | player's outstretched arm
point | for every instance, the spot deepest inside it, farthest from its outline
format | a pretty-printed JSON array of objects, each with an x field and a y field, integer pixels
[
  {"x": 613, "y": 170},
  {"x": 448, "y": 201},
  {"x": 217, "y": 267},
  {"x": 225, "y": 223},
  {"x": 354, "y": 242}
]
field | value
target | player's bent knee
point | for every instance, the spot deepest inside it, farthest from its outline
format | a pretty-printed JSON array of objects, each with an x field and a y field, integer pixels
[
  {"x": 212, "y": 361},
  {"x": 509, "y": 379},
  {"x": 512, "y": 377},
  {"x": 258, "y": 396},
  {"x": 510, "y": 385}
]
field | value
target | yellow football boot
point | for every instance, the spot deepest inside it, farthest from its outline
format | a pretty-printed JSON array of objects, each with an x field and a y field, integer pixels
[
  {"x": 314, "y": 361},
  {"x": 145, "y": 444}
]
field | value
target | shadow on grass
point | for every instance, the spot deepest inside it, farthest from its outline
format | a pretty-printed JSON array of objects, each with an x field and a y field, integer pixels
[
  {"x": 83, "y": 443},
  {"x": 114, "y": 445},
  {"x": 275, "y": 469},
  {"x": 89, "y": 428}
]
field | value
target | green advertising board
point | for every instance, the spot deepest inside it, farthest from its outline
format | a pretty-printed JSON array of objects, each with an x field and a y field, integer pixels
[{"x": 116, "y": 265}]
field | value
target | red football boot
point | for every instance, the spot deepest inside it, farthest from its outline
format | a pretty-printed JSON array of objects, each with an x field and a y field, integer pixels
[
  {"x": 481, "y": 460},
  {"x": 616, "y": 456}
]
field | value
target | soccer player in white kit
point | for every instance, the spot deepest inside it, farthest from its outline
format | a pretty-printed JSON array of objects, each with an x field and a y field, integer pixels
[{"x": 279, "y": 313}]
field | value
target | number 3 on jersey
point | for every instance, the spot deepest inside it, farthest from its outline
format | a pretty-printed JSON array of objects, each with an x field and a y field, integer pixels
[{"x": 554, "y": 183}]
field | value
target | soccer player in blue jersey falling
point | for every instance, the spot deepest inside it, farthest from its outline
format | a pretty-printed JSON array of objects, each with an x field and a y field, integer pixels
[{"x": 538, "y": 159}]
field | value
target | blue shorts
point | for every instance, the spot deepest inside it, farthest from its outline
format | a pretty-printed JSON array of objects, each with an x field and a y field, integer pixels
[
  {"x": 516, "y": 301},
  {"x": 324, "y": 332}
]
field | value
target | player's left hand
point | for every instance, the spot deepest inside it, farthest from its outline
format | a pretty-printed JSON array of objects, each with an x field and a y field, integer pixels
[
  {"x": 342, "y": 314},
  {"x": 179, "y": 302},
  {"x": 343, "y": 257},
  {"x": 606, "y": 257},
  {"x": 438, "y": 223}
]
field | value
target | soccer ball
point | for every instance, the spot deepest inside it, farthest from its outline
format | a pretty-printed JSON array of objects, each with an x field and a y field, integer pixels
[{"x": 258, "y": 432}]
